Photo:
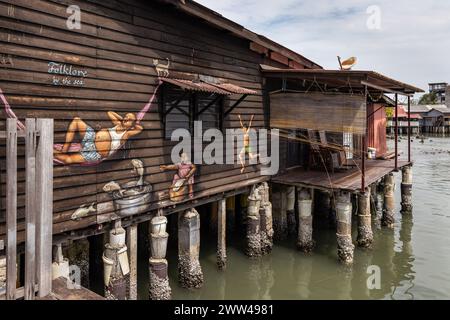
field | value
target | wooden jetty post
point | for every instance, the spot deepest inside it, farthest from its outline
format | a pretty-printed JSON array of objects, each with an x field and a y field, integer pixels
[
  {"x": 389, "y": 201},
  {"x": 159, "y": 288},
  {"x": 406, "y": 190},
  {"x": 279, "y": 207},
  {"x": 365, "y": 234},
  {"x": 305, "y": 240},
  {"x": 190, "y": 274},
  {"x": 344, "y": 227},
  {"x": 221, "y": 235},
  {"x": 116, "y": 264},
  {"x": 132, "y": 239},
  {"x": 253, "y": 248},
  {"x": 290, "y": 210},
  {"x": 266, "y": 222},
  {"x": 231, "y": 214}
]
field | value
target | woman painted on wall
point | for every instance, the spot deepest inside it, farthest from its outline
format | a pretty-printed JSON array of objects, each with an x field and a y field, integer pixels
[
  {"x": 184, "y": 177},
  {"x": 246, "y": 149},
  {"x": 97, "y": 146}
]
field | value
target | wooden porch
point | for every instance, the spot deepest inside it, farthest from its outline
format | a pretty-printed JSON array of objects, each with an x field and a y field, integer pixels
[{"x": 348, "y": 180}]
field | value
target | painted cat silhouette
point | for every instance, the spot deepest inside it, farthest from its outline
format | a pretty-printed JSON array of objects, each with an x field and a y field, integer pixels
[{"x": 161, "y": 69}]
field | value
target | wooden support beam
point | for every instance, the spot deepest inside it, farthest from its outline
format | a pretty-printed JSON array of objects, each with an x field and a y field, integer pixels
[
  {"x": 221, "y": 235},
  {"x": 132, "y": 238},
  {"x": 235, "y": 105},
  {"x": 396, "y": 132},
  {"x": 44, "y": 203},
  {"x": 11, "y": 209},
  {"x": 30, "y": 209}
]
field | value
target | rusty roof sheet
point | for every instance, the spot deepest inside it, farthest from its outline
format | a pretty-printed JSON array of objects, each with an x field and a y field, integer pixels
[{"x": 223, "y": 89}]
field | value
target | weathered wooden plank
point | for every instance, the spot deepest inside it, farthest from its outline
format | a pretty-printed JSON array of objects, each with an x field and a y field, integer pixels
[
  {"x": 30, "y": 209},
  {"x": 132, "y": 238},
  {"x": 11, "y": 209},
  {"x": 44, "y": 191}
]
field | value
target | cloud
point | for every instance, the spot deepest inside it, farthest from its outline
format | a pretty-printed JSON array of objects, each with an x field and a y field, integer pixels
[{"x": 411, "y": 46}]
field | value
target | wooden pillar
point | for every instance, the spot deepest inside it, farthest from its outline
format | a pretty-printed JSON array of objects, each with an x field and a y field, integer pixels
[
  {"x": 290, "y": 211},
  {"x": 132, "y": 239},
  {"x": 253, "y": 248},
  {"x": 279, "y": 208},
  {"x": 266, "y": 222},
  {"x": 221, "y": 235},
  {"x": 365, "y": 234},
  {"x": 305, "y": 241},
  {"x": 406, "y": 190},
  {"x": 189, "y": 270},
  {"x": 389, "y": 201},
  {"x": 116, "y": 265},
  {"x": 159, "y": 288},
  {"x": 231, "y": 214},
  {"x": 344, "y": 228}
]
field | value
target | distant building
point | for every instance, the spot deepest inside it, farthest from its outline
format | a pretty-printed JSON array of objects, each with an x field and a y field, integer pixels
[
  {"x": 441, "y": 89},
  {"x": 447, "y": 96}
]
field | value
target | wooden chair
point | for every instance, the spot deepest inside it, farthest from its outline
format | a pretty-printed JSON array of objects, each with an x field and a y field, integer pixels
[{"x": 342, "y": 161}]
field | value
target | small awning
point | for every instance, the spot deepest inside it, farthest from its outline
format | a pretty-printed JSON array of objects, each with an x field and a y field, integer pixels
[
  {"x": 222, "y": 89},
  {"x": 355, "y": 79}
]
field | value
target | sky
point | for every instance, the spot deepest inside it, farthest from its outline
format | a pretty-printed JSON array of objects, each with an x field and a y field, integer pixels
[{"x": 408, "y": 40}]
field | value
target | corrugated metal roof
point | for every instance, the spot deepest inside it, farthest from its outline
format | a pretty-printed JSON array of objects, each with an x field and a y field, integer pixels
[{"x": 223, "y": 89}]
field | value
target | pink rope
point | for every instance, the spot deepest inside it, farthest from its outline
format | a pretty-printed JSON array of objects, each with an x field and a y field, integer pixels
[
  {"x": 10, "y": 112},
  {"x": 146, "y": 108}
]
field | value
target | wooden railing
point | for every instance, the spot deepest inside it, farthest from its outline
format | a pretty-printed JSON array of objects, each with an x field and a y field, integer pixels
[{"x": 38, "y": 137}]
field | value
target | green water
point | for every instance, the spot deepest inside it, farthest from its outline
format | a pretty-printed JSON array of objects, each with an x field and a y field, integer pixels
[{"x": 414, "y": 259}]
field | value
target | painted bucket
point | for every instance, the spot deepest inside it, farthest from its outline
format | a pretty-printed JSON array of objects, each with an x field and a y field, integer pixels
[
  {"x": 117, "y": 237},
  {"x": 158, "y": 225},
  {"x": 159, "y": 245},
  {"x": 132, "y": 204}
]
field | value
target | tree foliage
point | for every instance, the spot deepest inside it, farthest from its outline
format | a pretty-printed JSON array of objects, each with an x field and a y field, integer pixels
[{"x": 429, "y": 98}]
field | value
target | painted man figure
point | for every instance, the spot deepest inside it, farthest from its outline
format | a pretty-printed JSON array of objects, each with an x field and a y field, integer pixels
[
  {"x": 184, "y": 176},
  {"x": 246, "y": 149},
  {"x": 97, "y": 146}
]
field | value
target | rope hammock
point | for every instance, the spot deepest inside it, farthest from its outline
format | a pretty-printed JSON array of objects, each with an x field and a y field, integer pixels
[{"x": 76, "y": 147}]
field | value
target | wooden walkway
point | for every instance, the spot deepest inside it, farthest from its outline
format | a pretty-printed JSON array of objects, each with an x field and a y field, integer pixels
[
  {"x": 348, "y": 180},
  {"x": 61, "y": 292}
]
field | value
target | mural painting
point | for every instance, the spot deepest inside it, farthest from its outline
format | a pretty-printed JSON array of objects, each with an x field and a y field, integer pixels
[
  {"x": 183, "y": 179},
  {"x": 246, "y": 138}
]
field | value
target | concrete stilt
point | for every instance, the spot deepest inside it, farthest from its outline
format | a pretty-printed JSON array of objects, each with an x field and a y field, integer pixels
[
  {"x": 389, "y": 201},
  {"x": 221, "y": 236},
  {"x": 266, "y": 223},
  {"x": 189, "y": 270},
  {"x": 279, "y": 207},
  {"x": 116, "y": 265},
  {"x": 290, "y": 211},
  {"x": 159, "y": 287},
  {"x": 132, "y": 238},
  {"x": 305, "y": 241},
  {"x": 406, "y": 190},
  {"x": 2, "y": 271},
  {"x": 379, "y": 203},
  {"x": 253, "y": 248},
  {"x": 344, "y": 228},
  {"x": 365, "y": 234}
]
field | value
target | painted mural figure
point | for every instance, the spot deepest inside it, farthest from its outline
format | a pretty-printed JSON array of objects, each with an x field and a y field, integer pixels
[
  {"x": 96, "y": 146},
  {"x": 246, "y": 149},
  {"x": 184, "y": 176}
]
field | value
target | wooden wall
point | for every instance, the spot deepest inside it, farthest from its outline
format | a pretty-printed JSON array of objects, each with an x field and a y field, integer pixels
[{"x": 116, "y": 46}]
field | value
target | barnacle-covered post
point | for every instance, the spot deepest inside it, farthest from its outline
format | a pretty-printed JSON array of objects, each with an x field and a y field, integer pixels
[
  {"x": 221, "y": 235},
  {"x": 189, "y": 269},
  {"x": 253, "y": 224},
  {"x": 389, "y": 201},
  {"x": 116, "y": 265},
  {"x": 290, "y": 210},
  {"x": 305, "y": 241},
  {"x": 266, "y": 223},
  {"x": 365, "y": 234},
  {"x": 159, "y": 288},
  {"x": 344, "y": 228},
  {"x": 407, "y": 190}
]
